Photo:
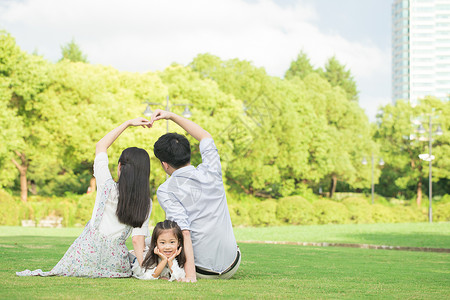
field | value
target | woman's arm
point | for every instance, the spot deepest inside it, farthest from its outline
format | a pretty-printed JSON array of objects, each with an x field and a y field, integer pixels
[
  {"x": 138, "y": 246},
  {"x": 109, "y": 138}
]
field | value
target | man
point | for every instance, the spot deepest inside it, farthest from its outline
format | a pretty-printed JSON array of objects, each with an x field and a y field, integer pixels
[{"x": 195, "y": 199}]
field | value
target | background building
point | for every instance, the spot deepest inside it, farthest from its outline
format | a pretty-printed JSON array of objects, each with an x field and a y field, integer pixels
[{"x": 420, "y": 49}]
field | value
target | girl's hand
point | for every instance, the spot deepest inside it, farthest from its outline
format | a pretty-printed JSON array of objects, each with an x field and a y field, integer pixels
[
  {"x": 162, "y": 256},
  {"x": 140, "y": 122},
  {"x": 175, "y": 255}
]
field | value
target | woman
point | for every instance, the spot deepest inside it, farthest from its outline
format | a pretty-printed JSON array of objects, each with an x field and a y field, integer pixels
[{"x": 120, "y": 208}]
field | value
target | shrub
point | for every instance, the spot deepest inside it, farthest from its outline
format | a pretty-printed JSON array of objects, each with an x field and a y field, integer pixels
[
  {"x": 360, "y": 211},
  {"x": 404, "y": 214},
  {"x": 295, "y": 210},
  {"x": 442, "y": 212},
  {"x": 445, "y": 199},
  {"x": 9, "y": 209},
  {"x": 157, "y": 214},
  {"x": 264, "y": 213},
  {"x": 331, "y": 212},
  {"x": 382, "y": 214},
  {"x": 239, "y": 213},
  {"x": 85, "y": 206}
]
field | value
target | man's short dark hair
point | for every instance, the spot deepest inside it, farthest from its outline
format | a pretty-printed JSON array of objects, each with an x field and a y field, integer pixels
[{"x": 174, "y": 149}]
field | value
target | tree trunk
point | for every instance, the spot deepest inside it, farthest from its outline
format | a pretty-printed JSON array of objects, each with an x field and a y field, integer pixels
[
  {"x": 419, "y": 192},
  {"x": 333, "y": 185},
  {"x": 22, "y": 167}
]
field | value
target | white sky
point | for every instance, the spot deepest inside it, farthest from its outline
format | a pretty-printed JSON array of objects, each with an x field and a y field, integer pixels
[{"x": 149, "y": 35}]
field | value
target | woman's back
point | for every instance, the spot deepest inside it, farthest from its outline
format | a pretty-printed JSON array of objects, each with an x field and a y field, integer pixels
[{"x": 109, "y": 224}]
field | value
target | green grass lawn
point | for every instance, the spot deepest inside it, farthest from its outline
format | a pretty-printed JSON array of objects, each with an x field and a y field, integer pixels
[
  {"x": 267, "y": 271},
  {"x": 433, "y": 235}
]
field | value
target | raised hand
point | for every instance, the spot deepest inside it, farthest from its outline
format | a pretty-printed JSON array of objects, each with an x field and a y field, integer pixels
[
  {"x": 159, "y": 114},
  {"x": 111, "y": 136},
  {"x": 162, "y": 256},
  {"x": 140, "y": 122},
  {"x": 172, "y": 257}
]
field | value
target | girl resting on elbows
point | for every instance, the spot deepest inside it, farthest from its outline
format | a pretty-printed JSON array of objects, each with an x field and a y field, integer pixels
[
  {"x": 100, "y": 250},
  {"x": 165, "y": 258}
]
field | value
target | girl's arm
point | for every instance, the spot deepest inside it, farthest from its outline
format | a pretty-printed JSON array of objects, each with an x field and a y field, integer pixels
[
  {"x": 109, "y": 138},
  {"x": 161, "y": 265},
  {"x": 160, "y": 268},
  {"x": 172, "y": 258}
]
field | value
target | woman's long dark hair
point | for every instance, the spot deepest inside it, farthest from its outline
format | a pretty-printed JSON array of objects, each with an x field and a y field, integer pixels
[
  {"x": 151, "y": 259},
  {"x": 134, "y": 187}
]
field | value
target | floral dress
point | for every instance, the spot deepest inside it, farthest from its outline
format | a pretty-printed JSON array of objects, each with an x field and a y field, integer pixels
[{"x": 93, "y": 254}]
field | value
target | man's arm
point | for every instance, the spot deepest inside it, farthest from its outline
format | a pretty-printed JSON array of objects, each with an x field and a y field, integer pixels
[
  {"x": 189, "y": 265},
  {"x": 192, "y": 128}
]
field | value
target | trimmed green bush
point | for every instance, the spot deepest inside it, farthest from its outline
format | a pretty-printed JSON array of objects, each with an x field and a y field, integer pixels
[
  {"x": 331, "y": 212},
  {"x": 239, "y": 214},
  {"x": 382, "y": 214},
  {"x": 85, "y": 206},
  {"x": 445, "y": 199},
  {"x": 9, "y": 210},
  {"x": 442, "y": 212},
  {"x": 245, "y": 210},
  {"x": 264, "y": 213},
  {"x": 406, "y": 214},
  {"x": 295, "y": 210},
  {"x": 360, "y": 211},
  {"x": 157, "y": 214}
]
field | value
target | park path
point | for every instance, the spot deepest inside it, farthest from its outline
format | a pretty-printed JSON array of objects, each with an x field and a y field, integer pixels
[{"x": 362, "y": 246}]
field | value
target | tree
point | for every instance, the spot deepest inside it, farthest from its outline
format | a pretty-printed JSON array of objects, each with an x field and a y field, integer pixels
[
  {"x": 268, "y": 155},
  {"x": 338, "y": 75},
  {"x": 72, "y": 52},
  {"x": 25, "y": 77},
  {"x": 301, "y": 67},
  {"x": 54, "y": 114},
  {"x": 347, "y": 129},
  {"x": 401, "y": 147}
]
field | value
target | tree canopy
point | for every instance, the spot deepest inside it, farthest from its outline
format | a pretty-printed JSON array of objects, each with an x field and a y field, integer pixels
[
  {"x": 71, "y": 51},
  {"x": 276, "y": 136}
]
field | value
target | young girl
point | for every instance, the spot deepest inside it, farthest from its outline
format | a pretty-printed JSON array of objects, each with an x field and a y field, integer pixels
[
  {"x": 100, "y": 250},
  {"x": 165, "y": 258}
]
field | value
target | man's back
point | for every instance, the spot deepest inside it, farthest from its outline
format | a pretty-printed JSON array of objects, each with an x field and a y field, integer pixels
[{"x": 195, "y": 199}]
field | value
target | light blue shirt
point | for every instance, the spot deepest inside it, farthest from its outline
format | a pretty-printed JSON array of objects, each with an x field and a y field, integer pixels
[{"x": 195, "y": 199}]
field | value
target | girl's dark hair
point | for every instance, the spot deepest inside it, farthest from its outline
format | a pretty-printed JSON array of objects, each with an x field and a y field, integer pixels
[
  {"x": 174, "y": 149},
  {"x": 134, "y": 187},
  {"x": 151, "y": 259}
]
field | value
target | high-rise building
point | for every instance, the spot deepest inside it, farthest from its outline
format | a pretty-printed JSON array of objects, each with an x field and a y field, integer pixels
[{"x": 420, "y": 49}]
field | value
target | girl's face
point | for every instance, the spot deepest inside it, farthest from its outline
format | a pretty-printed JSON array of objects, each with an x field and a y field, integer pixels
[{"x": 167, "y": 243}]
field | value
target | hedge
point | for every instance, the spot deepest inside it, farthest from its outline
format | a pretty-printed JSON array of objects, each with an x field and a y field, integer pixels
[
  {"x": 331, "y": 212},
  {"x": 295, "y": 210},
  {"x": 360, "y": 211},
  {"x": 76, "y": 210}
]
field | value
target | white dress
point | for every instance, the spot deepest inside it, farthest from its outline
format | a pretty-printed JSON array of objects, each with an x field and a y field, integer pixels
[
  {"x": 100, "y": 250},
  {"x": 140, "y": 273}
]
